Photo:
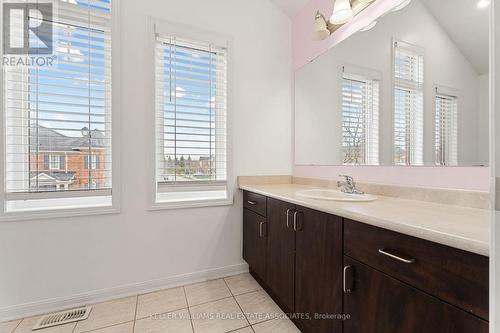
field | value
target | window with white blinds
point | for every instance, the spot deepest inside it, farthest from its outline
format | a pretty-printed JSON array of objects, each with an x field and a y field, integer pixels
[
  {"x": 191, "y": 108},
  {"x": 408, "y": 104},
  {"x": 360, "y": 119},
  {"x": 57, "y": 116},
  {"x": 446, "y": 128}
]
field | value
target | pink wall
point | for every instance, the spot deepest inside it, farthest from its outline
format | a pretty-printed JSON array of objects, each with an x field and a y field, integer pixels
[
  {"x": 306, "y": 49},
  {"x": 470, "y": 178}
]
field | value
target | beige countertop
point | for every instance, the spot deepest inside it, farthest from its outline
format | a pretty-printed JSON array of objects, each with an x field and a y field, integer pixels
[{"x": 459, "y": 227}]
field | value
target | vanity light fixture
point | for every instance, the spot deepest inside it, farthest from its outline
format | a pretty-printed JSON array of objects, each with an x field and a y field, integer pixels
[
  {"x": 321, "y": 30},
  {"x": 343, "y": 11},
  {"x": 483, "y": 4}
]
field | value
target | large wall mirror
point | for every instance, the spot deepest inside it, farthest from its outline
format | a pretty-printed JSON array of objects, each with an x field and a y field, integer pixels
[{"x": 411, "y": 90}]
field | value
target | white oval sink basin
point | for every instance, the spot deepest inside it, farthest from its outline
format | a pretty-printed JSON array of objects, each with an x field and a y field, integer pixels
[{"x": 335, "y": 195}]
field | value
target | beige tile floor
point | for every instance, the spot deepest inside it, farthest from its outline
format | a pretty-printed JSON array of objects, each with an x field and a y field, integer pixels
[{"x": 233, "y": 304}]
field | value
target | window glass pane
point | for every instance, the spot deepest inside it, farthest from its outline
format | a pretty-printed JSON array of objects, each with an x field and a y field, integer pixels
[
  {"x": 408, "y": 105},
  {"x": 360, "y": 134},
  {"x": 446, "y": 124},
  {"x": 191, "y": 113},
  {"x": 56, "y": 116}
]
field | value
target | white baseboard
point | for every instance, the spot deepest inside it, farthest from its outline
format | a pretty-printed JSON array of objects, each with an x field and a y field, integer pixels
[{"x": 96, "y": 296}]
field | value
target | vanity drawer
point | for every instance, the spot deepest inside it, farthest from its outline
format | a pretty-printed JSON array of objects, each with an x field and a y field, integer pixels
[
  {"x": 255, "y": 202},
  {"x": 455, "y": 276}
]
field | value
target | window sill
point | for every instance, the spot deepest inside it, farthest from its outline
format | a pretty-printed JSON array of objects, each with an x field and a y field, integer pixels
[
  {"x": 57, "y": 213},
  {"x": 165, "y": 205}
]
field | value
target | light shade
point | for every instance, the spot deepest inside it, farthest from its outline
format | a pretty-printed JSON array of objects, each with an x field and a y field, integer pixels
[
  {"x": 342, "y": 12},
  {"x": 320, "y": 27}
]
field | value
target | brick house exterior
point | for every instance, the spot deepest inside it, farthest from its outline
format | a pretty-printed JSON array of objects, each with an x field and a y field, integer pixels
[{"x": 63, "y": 162}]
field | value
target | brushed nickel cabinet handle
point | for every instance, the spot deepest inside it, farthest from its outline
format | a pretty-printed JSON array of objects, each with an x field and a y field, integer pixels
[
  {"x": 288, "y": 218},
  {"x": 344, "y": 283},
  {"x": 386, "y": 252},
  {"x": 253, "y": 203},
  {"x": 295, "y": 220},
  {"x": 261, "y": 231}
]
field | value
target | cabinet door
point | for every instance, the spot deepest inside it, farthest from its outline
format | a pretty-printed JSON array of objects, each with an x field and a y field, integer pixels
[
  {"x": 318, "y": 271},
  {"x": 379, "y": 303},
  {"x": 254, "y": 242},
  {"x": 280, "y": 253}
]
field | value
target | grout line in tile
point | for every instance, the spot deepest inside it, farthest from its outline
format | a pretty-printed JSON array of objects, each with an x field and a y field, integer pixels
[
  {"x": 215, "y": 300},
  {"x": 239, "y": 306},
  {"x": 235, "y": 330},
  {"x": 101, "y": 328},
  {"x": 135, "y": 315},
  {"x": 169, "y": 311},
  {"x": 265, "y": 320},
  {"x": 248, "y": 292},
  {"x": 189, "y": 311},
  {"x": 19, "y": 324}
]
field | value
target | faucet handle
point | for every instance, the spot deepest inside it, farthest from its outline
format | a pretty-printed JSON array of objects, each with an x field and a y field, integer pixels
[{"x": 348, "y": 179}]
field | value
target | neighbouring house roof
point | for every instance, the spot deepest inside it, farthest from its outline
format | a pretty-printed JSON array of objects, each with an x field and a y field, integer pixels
[
  {"x": 51, "y": 140},
  {"x": 57, "y": 176}
]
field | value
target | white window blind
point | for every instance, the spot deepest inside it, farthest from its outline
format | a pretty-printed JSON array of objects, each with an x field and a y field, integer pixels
[
  {"x": 408, "y": 104},
  {"x": 191, "y": 107},
  {"x": 360, "y": 119},
  {"x": 62, "y": 111},
  {"x": 446, "y": 128}
]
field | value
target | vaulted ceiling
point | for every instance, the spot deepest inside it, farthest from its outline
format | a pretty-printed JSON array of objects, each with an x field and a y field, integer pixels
[
  {"x": 290, "y": 7},
  {"x": 467, "y": 26}
]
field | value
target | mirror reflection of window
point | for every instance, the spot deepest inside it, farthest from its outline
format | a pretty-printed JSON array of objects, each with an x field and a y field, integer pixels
[
  {"x": 446, "y": 130},
  {"x": 360, "y": 119},
  {"x": 408, "y": 104}
]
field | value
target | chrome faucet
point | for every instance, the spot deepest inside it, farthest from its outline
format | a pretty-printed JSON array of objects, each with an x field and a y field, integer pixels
[{"x": 349, "y": 185}]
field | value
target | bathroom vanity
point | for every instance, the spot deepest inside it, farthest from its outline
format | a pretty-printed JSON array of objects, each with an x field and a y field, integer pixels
[
  {"x": 406, "y": 90},
  {"x": 353, "y": 267}
]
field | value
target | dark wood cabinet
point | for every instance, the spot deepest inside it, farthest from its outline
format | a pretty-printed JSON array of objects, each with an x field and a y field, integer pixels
[
  {"x": 378, "y": 303},
  {"x": 255, "y": 242},
  {"x": 318, "y": 267},
  {"x": 255, "y": 202},
  {"x": 321, "y": 268},
  {"x": 280, "y": 277},
  {"x": 455, "y": 276}
]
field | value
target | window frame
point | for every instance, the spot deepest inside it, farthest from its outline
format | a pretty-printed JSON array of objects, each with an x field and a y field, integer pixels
[
  {"x": 92, "y": 208},
  {"x": 196, "y": 34},
  {"x": 57, "y": 159},
  {"x": 420, "y": 51},
  {"x": 91, "y": 162},
  {"x": 452, "y": 93},
  {"x": 370, "y": 75}
]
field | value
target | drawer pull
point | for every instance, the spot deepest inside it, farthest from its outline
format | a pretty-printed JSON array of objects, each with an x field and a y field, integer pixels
[
  {"x": 393, "y": 256},
  {"x": 347, "y": 285},
  {"x": 253, "y": 203},
  {"x": 295, "y": 221},
  {"x": 288, "y": 218},
  {"x": 261, "y": 229}
]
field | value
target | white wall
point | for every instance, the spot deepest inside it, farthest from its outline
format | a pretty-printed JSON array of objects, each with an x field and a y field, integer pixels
[
  {"x": 445, "y": 65},
  {"x": 59, "y": 258},
  {"x": 484, "y": 117}
]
